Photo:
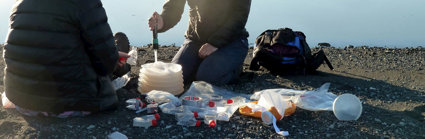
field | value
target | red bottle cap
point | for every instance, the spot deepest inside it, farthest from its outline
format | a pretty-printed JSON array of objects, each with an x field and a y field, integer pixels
[
  {"x": 229, "y": 101},
  {"x": 157, "y": 116},
  {"x": 212, "y": 123},
  {"x": 144, "y": 105},
  {"x": 195, "y": 114},
  {"x": 154, "y": 123},
  {"x": 211, "y": 104},
  {"x": 123, "y": 58},
  {"x": 195, "y": 98},
  {"x": 198, "y": 123}
]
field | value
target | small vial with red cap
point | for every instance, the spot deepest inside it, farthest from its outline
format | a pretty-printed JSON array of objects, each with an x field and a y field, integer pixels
[
  {"x": 189, "y": 121},
  {"x": 135, "y": 104},
  {"x": 210, "y": 118},
  {"x": 152, "y": 108},
  {"x": 180, "y": 116},
  {"x": 146, "y": 121},
  {"x": 192, "y": 101}
]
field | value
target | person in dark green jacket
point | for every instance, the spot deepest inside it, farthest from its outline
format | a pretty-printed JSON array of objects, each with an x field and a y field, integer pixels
[
  {"x": 59, "y": 57},
  {"x": 216, "y": 41}
]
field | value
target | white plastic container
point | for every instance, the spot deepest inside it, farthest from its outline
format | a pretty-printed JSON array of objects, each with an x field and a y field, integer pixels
[
  {"x": 162, "y": 76},
  {"x": 347, "y": 107}
]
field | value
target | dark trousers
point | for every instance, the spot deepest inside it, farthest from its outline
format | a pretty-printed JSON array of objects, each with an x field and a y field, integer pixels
[{"x": 221, "y": 67}]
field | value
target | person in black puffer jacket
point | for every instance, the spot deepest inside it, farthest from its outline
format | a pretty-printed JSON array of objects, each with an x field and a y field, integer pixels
[{"x": 59, "y": 56}]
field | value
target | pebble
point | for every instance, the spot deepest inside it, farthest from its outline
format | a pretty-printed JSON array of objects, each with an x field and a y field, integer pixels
[
  {"x": 168, "y": 126},
  {"x": 188, "y": 134},
  {"x": 332, "y": 126},
  {"x": 90, "y": 127},
  {"x": 402, "y": 123},
  {"x": 328, "y": 135},
  {"x": 219, "y": 128},
  {"x": 378, "y": 120},
  {"x": 249, "y": 122}
]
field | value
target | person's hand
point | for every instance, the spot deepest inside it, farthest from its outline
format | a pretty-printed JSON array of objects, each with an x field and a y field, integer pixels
[
  {"x": 122, "y": 58},
  {"x": 157, "y": 20},
  {"x": 206, "y": 50}
]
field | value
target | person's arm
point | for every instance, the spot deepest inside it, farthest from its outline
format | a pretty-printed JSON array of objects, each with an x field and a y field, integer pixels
[
  {"x": 171, "y": 13},
  {"x": 235, "y": 23},
  {"x": 97, "y": 36}
]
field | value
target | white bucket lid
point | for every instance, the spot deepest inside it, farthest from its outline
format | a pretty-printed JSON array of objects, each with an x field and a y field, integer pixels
[{"x": 347, "y": 107}]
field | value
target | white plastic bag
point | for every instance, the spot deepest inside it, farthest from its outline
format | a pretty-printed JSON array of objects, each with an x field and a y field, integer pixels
[
  {"x": 271, "y": 99},
  {"x": 206, "y": 91},
  {"x": 317, "y": 100},
  {"x": 120, "y": 82},
  {"x": 161, "y": 97},
  {"x": 132, "y": 60},
  {"x": 6, "y": 102}
]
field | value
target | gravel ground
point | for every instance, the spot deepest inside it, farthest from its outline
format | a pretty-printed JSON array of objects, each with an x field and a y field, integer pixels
[{"x": 389, "y": 82}]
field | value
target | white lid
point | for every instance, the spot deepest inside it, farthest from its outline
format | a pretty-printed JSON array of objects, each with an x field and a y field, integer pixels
[{"x": 347, "y": 107}]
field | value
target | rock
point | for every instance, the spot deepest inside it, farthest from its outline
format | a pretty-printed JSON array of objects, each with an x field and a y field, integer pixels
[
  {"x": 90, "y": 127},
  {"x": 324, "y": 44},
  {"x": 117, "y": 135},
  {"x": 331, "y": 126},
  {"x": 168, "y": 126},
  {"x": 188, "y": 134},
  {"x": 378, "y": 120},
  {"x": 402, "y": 123},
  {"x": 328, "y": 135}
]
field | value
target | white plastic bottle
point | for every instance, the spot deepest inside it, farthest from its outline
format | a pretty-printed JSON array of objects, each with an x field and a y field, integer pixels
[
  {"x": 144, "y": 122},
  {"x": 152, "y": 108},
  {"x": 210, "y": 118},
  {"x": 189, "y": 121},
  {"x": 180, "y": 116}
]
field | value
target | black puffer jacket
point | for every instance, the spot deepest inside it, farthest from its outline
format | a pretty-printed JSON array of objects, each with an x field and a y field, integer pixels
[
  {"x": 58, "y": 56},
  {"x": 218, "y": 22}
]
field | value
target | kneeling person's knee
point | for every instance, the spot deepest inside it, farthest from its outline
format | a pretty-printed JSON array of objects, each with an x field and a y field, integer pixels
[{"x": 213, "y": 77}]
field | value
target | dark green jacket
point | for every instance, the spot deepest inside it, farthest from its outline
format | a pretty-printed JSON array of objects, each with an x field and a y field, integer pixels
[
  {"x": 58, "y": 54},
  {"x": 217, "y": 22}
]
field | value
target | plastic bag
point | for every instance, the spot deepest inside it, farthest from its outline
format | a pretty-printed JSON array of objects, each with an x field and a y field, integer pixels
[
  {"x": 6, "y": 102},
  {"x": 345, "y": 107},
  {"x": 315, "y": 100},
  {"x": 120, "y": 82},
  {"x": 161, "y": 97},
  {"x": 132, "y": 60},
  {"x": 207, "y": 91}
]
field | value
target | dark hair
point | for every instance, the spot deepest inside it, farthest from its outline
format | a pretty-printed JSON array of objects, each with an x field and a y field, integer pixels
[{"x": 122, "y": 42}]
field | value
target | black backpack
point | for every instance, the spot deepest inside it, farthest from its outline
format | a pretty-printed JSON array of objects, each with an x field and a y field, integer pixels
[{"x": 284, "y": 51}]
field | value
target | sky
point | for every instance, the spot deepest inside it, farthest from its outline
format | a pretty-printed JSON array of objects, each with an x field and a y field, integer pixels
[{"x": 385, "y": 23}]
